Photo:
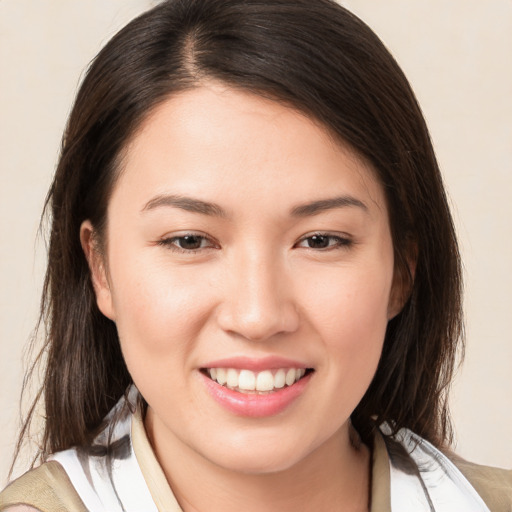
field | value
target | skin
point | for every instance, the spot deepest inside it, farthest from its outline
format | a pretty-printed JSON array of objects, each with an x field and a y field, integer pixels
[{"x": 254, "y": 288}]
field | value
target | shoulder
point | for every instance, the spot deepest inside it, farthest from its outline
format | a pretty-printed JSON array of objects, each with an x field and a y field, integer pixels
[
  {"x": 46, "y": 488},
  {"x": 438, "y": 467},
  {"x": 493, "y": 484}
]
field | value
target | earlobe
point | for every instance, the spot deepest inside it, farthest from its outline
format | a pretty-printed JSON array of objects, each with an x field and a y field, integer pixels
[{"x": 97, "y": 268}]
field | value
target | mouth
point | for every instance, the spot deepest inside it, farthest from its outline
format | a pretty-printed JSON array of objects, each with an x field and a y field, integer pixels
[{"x": 256, "y": 383}]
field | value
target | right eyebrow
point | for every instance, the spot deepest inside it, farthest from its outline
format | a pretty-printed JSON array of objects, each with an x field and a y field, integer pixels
[
  {"x": 316, "y": 207},
  {"x": 189, "y": 204}
]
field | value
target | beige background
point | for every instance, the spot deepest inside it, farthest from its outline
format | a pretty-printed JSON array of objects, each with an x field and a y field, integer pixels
[{"x": 456, "y": 53}]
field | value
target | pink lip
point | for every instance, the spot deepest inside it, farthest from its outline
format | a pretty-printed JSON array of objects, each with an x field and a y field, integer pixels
[
  {"x": 255, "y": 364},
  {"x": 254, "y": 405}
]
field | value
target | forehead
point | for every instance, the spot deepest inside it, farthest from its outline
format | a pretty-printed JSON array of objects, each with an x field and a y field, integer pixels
[{"x": 220, "y": 142}]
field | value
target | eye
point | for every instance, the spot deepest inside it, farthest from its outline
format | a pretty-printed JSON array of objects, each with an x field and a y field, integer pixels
[
  {"x": 189, "y": 242},
  {"x": 324, "y": 241}
]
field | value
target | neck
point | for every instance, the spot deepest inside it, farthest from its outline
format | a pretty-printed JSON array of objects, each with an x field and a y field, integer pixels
[{"x": 334, "y": 476}]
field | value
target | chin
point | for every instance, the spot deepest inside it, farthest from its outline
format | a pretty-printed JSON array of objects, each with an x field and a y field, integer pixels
[
  {"x": 257, "y": 463},
  {"x": 265, "y": 455}
]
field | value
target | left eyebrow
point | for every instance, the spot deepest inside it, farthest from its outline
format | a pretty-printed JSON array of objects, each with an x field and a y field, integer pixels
[
  {"x": 185, "y": 203},
  {"x": 316, "y": 207}
]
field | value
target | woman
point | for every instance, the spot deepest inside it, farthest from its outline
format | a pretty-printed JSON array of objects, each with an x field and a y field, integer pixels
[{"x": 253, "y": 267}]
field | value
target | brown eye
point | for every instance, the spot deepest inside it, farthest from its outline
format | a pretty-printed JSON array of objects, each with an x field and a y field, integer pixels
[
  {"x": 321, "y": 241},
  {"x": 318, "y": 241},
  {"x": 189, "y": 242}
]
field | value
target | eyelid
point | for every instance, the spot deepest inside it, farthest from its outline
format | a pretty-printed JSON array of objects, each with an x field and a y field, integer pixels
[
  {"x": 168, "y": 240},
  {"x": 344, "y": 240}
]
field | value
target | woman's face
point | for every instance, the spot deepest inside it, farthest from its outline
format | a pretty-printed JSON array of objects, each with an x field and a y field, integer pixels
[{"x": 244, "y": 244}]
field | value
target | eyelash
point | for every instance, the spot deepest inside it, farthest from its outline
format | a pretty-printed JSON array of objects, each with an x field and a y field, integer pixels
[
  {"x": 341, "y": 242},
  {"x": 170, "y": 243}
]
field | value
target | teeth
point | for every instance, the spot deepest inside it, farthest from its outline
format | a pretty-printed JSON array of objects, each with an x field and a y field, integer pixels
[
  {"x": 280, "y": 379},
  {"x": 265, "y": 381},
  {"x": 232, "y": 378},
  {"x": 220, "y": 376},
  {"x": 247, "y": 380},
  {"x": 290, "y": 376}
]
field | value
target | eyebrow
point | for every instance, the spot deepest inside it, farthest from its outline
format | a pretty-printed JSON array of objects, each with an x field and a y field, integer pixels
[
  {"x": 206, "y": 208},
  {"x": 185, "y": 203},
  {"x": 316, "y": 207}
]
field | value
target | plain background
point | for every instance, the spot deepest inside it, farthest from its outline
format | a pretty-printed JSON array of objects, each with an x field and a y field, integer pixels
[{"x": 457, "y": 55}]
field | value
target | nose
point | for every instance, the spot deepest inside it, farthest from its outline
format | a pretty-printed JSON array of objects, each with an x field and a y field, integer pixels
[{"x": 258, "y": 302}]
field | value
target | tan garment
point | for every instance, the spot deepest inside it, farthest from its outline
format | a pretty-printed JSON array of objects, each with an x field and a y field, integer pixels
[
  {"x": 49, "y": 489},
  {"x": 46, "y": 488},
  {"x": 493, "y": 484}
]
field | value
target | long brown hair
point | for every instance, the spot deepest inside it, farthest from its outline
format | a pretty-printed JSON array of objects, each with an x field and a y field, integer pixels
[{"x": 319, "y": 58}]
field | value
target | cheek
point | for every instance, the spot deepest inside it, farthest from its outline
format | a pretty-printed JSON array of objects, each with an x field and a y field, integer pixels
[
  {"x": 350, "y": 312},
  {"x": 158, "y": 313},
  {"x": 349, "y": 298}
]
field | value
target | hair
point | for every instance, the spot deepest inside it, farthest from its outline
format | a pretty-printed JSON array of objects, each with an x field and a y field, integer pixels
[{"x": 320, "y": 59}]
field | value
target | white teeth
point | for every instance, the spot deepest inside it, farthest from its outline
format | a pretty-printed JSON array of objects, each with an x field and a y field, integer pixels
[
  {"x": 290, "y": 376},
  {"x": 221, "y": 376},
  {"x": 280, "y": 379},
  {"x": 249, "y": 381},
  {"x": 232, "y": 378},
  {"x": 265, "y": 381}
]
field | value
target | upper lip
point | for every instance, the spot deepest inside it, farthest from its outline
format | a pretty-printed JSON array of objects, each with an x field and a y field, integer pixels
[{"x": 255, "y": 364}]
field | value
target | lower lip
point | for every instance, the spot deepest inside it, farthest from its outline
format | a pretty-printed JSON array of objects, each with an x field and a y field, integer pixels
[{"x": 255, "y": 405}]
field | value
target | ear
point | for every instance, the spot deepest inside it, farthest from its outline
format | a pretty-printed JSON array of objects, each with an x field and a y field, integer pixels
[
  {"x": 403, "y": 281},
  {"x": 97, "y": 267}
]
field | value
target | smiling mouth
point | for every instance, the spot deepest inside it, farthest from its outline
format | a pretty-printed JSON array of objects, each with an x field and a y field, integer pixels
[{"x": 249, "y": 382}]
